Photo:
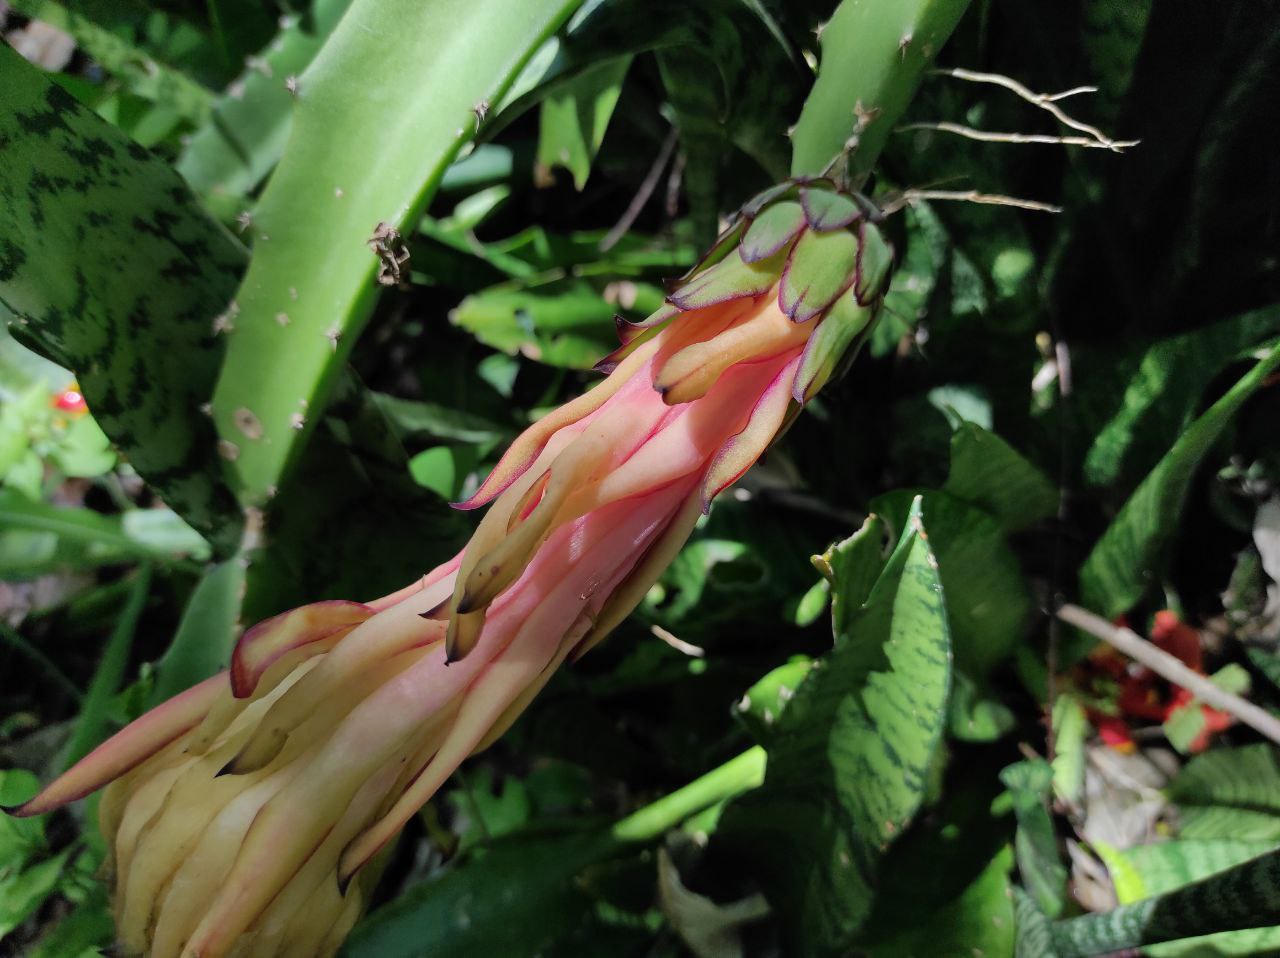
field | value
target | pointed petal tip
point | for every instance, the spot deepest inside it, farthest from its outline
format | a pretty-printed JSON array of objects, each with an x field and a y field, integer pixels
[{"x": 435, "y": 611}]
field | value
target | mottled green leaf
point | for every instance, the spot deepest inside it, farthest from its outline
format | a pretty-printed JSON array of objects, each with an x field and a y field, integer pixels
[
  {"x": 119, "y": 276},
  {"x": 1163, "y": 383},
  {"x": 1164, "y": 866},
  {"x": 1033, "y": 939},
  {"x": 1029, "y": 783},
  {"x": 989, "y": 473},
  {"x": 1132, "y": 553},
  {"x": 988, "y": 602},
  {"x": 1229, "y": 793},
  {"x": 850, "y": 757},
  {"x": 852, "y": 566}
]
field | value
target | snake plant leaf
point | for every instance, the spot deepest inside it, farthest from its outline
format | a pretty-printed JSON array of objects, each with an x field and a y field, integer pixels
[
  {"x": 772, "y": 230},
  {"x": 731, "y": 278},
  {"x": 850, "y": 757},
  {"x": 827, "y": 210},
  {"x": 231, "y": 153},
  {"x": 820, "y": 268},
  {"x": 1130, "y": 555},
  {"x": 119, "y": 272},
  {"x": 989, "y": 473},
  {"x": 366, "y": 153}
]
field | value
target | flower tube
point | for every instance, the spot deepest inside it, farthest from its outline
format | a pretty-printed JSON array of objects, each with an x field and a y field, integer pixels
[{"x": 248, "y": 815}]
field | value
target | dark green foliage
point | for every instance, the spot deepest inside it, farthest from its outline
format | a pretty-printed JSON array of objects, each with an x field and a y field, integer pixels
[{"x": 112, "y": 269}]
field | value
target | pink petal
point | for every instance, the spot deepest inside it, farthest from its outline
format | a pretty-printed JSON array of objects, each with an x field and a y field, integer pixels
[{"x": 128, "y": 748}]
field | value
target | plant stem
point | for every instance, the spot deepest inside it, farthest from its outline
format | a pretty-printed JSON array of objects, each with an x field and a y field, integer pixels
[
  {"x": 873, "y": 56},
  {"x": 1168, "y": 667},
  {"x": 734, "y": 777},
  {"x": 1245, "y": 896}
]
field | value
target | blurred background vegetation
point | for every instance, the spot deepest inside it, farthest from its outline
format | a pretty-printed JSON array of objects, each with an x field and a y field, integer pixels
[{"x": 1033, "y": 374}]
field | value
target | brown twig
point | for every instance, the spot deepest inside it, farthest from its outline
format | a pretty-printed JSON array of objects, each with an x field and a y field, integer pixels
[
  {"x": 988, "y": 136},
  {"x": 1047, "y": 102},
  {"x": 1168, "y": 667},
  {"x": 908, "y": 197},
  {"x": 647, "y": 186}
]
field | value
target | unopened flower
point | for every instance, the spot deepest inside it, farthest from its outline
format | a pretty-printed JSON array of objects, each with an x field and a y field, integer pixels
[{"x": 247, "y": 815}]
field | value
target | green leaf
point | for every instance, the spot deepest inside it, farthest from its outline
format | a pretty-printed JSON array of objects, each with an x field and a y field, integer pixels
[
  {"x": 99, "y": 539},
  {"x": 1229, "y": 793},
  {"x": 575, "y": 117},
  {"x": 1149, "y": 870},
  {"x": 124, "y": 294},
  {"x": 1163, "y": 383},
  {"x": 360, "y": 153},
  {"x": 1029, "y": 783},
  {"x": 990, "y": 474},
  {"x": 978, "y": 923},
  {"x": 565, "y": 323},
  {"x": 22, "y": 892},
  {"x": 988, "y": 603},
  {"x": 945, "y": 888},
  {"x": 91, "y": 726},
  {"x": 760, "y": 707},
  {"x": 1034, "y": 939},
  {"x": 518, "y": 899},
  {"x": 852, "y": 566},
  {"x": 1070, "y": 729},
  {"x": 143, "y": 74},
  {"x": 231, "y": 153},
  {"x": 83, "y": 933},
  {"x": 850, "y": 757},
  {"x": 974, "y": 714},
  {"x": 206, "y": 633},
  {"x": 1131, "y": 554}
]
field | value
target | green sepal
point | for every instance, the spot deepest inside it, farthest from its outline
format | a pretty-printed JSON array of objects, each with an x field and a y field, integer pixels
[
  {"x": 846, "y": 320},
  {"x": 629, "y": 330},
  {"x": 774, "y": 229},
  {"x": 731, "y": 278},
  {"x": 875, "y": 259},
  {"x": 827, "y": 210},
  {"x": 752, "y": 207},
  {"x": 821, "y": 267},
  {"x": 725, "y": 243}
]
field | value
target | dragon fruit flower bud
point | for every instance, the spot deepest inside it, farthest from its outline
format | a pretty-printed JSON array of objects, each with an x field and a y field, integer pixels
[{"x": 249, "y": 814}]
